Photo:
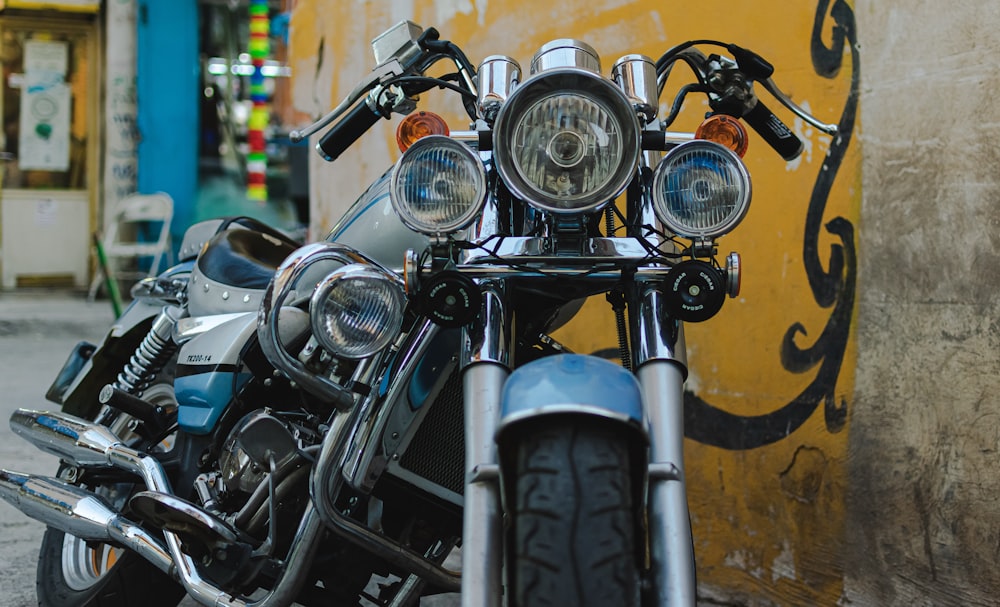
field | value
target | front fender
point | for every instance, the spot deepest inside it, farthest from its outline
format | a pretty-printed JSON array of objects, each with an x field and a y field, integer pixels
[
  {"x": 571, "y": 384},
  {"x": 567, "y": 386}
]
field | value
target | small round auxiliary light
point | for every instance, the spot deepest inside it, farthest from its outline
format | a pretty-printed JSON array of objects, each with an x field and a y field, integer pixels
[
  {"x": 417, "y": 126},
  {"x": 726, "y": 131},
  {"x": 701, "y": 189}
]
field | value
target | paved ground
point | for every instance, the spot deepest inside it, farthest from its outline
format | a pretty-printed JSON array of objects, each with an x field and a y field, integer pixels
[{"x": 37, "y": 331}]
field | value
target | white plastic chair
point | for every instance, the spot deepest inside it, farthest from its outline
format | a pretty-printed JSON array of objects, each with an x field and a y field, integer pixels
[{"x": 138, "y": 227}]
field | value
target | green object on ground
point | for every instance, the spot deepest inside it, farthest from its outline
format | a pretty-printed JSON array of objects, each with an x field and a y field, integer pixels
[{"x": 109, "y": 279}]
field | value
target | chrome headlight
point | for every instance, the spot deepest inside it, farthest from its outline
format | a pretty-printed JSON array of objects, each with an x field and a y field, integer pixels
[
  {"x": 566, "y": 141},
  {"x": 701, "y": 190},
  {"x": 357, "y": 310},
  {"x": 438, "y": 185}
]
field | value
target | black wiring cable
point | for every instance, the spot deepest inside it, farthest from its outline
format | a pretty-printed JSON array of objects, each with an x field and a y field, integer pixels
[
  {"x": 428, "y": 82},
  {"x": 668, "y": 57},
  {"x": 666, "y": 238},
  {"x": 426, "y": 63},
  {"x": 430, "y": 41},
  {"x": 675, "y": 108},
  {"x": 661, "y": 79},
  {"x": 653, "y": 254},
  {"x": 663, "y": 65},
  {"x": 445, "y": 49},
  {"x": 460, "y": 57},
  {"x": 431, "y": 82}
]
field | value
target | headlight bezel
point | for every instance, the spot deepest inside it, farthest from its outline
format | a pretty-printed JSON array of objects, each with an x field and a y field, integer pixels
[
  {"x": 388, "y": 326},
  {"x": 734, "y": 169},
  {"x": 592, "y": 88},
  {"x": 405, "y": 207}
]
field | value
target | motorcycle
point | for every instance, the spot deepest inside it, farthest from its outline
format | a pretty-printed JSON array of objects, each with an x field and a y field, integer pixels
[{"x": 339, "y": 423}]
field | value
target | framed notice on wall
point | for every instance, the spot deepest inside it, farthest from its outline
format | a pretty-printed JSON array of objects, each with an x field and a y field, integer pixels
[
  {"x": 44, "y": 126},
  {"x": 43, "y": 138}
]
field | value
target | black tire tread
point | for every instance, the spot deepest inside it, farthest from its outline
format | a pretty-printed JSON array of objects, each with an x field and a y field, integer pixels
[{"x": 573, "y": 517}]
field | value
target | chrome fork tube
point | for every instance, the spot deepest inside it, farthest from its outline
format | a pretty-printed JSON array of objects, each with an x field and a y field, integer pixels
[
  {"x": 486, "y": 362},
  {"x": 661, "y": 362}
]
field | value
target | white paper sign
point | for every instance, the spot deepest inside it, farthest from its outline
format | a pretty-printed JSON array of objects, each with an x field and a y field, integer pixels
[
  {"x": 46, "y": 213},
  {"x": 46, "y": 57},
  {"x": 44, "y": 132}
]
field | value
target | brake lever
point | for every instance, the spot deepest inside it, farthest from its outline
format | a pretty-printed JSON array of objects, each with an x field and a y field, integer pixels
[
  {"x": 382, "y": 72},
  {"x": 771, "y": 87}
]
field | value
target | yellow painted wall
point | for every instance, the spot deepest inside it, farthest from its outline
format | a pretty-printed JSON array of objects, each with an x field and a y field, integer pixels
[{"x": 772, "y": 375}]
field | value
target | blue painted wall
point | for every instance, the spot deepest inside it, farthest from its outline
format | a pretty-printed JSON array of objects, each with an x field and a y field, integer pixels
[{"x": 168, "y": 94}]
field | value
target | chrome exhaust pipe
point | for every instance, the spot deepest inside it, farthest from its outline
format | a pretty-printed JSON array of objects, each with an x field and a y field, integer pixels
[
  {"x": 58, "y": 504},
  {"x": 86, "y": 443},
  {"x": 65, "y": 436},
  {"x": 79, "y": 512}
]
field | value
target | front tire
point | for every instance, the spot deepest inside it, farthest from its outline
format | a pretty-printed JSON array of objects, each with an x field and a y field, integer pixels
[{"x": 573, "y": 517}]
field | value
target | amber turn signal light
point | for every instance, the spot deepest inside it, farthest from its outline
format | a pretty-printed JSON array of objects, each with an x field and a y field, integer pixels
[
  {"x": 726, "y": 131},
  {"x": 418, "y": 125}
]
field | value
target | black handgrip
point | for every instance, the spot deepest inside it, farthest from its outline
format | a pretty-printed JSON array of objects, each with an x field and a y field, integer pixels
[
  {"x": 775, "y": 132},
  {"x": 347, "y": 130}
]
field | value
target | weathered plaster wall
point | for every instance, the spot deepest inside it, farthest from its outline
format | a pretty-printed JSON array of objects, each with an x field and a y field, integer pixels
[
  {"x": 770, "y": 392},
  {"x": 924, "y": 521}
]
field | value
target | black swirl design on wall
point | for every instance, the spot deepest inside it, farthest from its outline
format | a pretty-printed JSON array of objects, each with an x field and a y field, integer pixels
[{"x": 833, "y": 287}]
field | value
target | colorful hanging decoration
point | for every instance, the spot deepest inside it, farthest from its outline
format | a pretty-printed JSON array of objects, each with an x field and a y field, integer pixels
[{"x": 260, "y": 48}]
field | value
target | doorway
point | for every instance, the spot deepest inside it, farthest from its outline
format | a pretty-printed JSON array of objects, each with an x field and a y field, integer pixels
[{"x": 48, "y": 150}]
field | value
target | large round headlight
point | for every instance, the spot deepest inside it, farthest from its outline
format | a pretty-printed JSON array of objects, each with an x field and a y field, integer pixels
[
  {"x": 701, "y": 190},
  {"x": 438, "y": 185},
  {"x": 566, "y": 141},
  {"x": 357, "y": 310}
]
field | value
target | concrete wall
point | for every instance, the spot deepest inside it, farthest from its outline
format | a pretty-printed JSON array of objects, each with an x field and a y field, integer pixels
[
  {"x": 841, "y": 413},
  {"x": 121, "y": 135},
  {"x": 924, "y": 521}
]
